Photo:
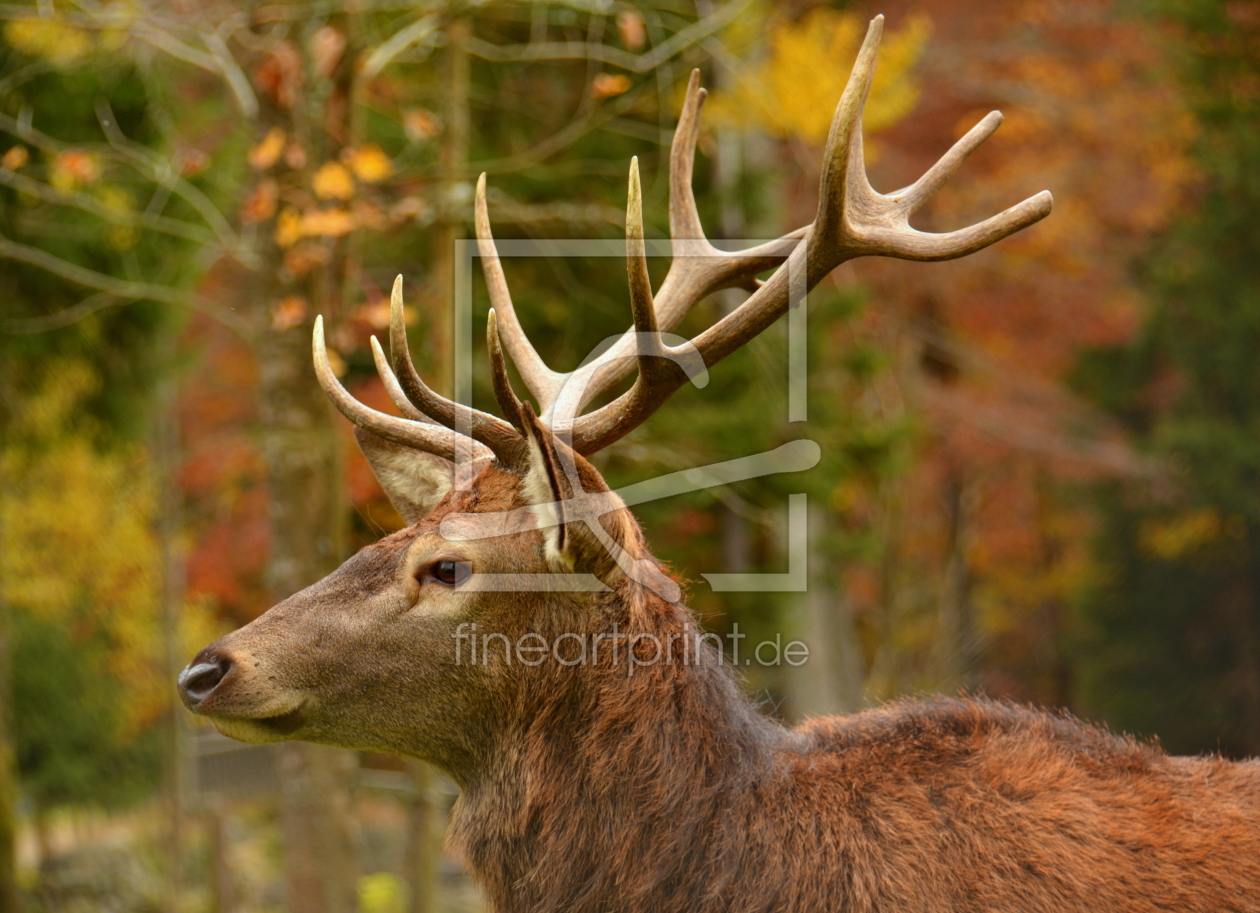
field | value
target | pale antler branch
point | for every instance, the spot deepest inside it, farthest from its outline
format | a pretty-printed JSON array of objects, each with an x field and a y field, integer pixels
[
  {"x": 490, "y": 430},
  {"x": 428, "y": 438},
  {"x": 541, "y": 380}
]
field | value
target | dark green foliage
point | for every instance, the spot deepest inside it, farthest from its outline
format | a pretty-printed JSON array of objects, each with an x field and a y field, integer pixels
[
  {"x": 1174, "y": 635},
  {"x": 68, "y": 714},
  {"x": 117, "y": 337}
]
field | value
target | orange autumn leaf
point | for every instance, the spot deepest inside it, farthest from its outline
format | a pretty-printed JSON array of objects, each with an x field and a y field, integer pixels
[
  {"x": 327, "y": 46},
  {"x": 279, "y": 75},
  {"x": 328, "y": 223},
  {"x": 606, "y": 85},
  {"x": 303, "y": 258},
  {"x": 631, "y": 28},
  {"x": 421, "y": 124},
  {"x": 15, "y": 158},
  {"x": 295, "y": 156},
  {"x": 191, "y": 162},
  {"x": 73, "y": 168},
  {"x": 260, "y": 205},
  {"x": 288, "y": 312},
  {"x": 374, "y": 313}
]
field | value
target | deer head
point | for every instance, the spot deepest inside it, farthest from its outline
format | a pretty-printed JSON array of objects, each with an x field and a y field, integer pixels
[{"x": 511, "y": 529}]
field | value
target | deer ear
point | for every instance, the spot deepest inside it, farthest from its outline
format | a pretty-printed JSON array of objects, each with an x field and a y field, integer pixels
[
  {"x": 414, "y": 481},
  {"x": 586, "y": 527},
  {"x": 547, "y": 487}
]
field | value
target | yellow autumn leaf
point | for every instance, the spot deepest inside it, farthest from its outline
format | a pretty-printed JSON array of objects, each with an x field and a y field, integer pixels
[
  {"x": 57, "y": 42},
  {"x": 1170, "y": 538},
  {"x": 267, "y": 152},
  {"x": 369, "y": 163},
  {"x": 61, "y": 491},
  {"x": 794, "y": 91},
  {"x": 289, "y": 229},
  {"x": 333, "y": 181},
  {"x": 118, "y": 200}
]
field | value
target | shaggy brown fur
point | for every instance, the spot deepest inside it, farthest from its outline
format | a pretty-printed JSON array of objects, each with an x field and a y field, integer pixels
[{"x": 668, "y": 791}]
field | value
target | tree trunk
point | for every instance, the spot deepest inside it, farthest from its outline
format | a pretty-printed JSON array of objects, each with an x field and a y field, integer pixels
[
  {"x": 423, "y": 829},
  {"x": 303, "y": 457},
  {"x": 831, "y": 680},
  {"x": 958, "y": 640},
  {"x": 166, "y": 457},
  {"x": 9, "y": 898},
  {"x": 423, "y": 844}
]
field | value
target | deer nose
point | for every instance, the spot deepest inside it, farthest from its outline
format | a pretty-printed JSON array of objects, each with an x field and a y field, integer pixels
[{"x": 198, "y": 681}]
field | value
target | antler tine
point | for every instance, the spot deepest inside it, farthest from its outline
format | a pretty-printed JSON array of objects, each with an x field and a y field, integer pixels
[
  {"x": 502, "y": 439},
  {"x": 657, "y": 363},
  {"x": 684, "y": 217},
  {"x": 392, "y": 387},
  {"x": 643, "y": 309},
  {"x": 853, "y": 220},
  {"x": 844, "y": 167},
  {"x": 543, "y": 382},
  {"x": 432, "y": 439},
  {"x": 508, "y": 401},
  {"x": 698, "y": 268},
  {"x": 935, "y": 177}
]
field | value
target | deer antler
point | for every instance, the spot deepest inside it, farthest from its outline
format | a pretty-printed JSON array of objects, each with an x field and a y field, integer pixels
[
  {"x": 420, "y": 405},
  {"x": 853, "y": 220}
]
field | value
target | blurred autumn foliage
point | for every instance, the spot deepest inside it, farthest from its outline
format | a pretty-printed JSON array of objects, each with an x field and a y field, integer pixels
[{"x": 1040, "y": 462}]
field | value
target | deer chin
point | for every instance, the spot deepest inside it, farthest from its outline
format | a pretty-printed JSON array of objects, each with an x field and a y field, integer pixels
[{"x": 278, "y": 727}]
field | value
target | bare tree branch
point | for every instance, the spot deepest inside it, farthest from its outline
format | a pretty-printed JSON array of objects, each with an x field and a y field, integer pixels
[
  {"x": 583, "y": 50},
  {"x": 160, "y": 171},
  {"x": 159, "y": 223},
  {"x": 233, "y": 74},
  {"x": 400, "y": 41},
  {"x": 152, "y": 166},
  {"x": 62, "y": 318},
  {"x": 118, "y": 288},
  {"x": 586, "y": 120}
]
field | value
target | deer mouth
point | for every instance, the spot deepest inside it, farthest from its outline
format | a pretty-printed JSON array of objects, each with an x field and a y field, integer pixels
[
  {"x": 277, "y": 728},
  {"x": 284, "y": 723}
]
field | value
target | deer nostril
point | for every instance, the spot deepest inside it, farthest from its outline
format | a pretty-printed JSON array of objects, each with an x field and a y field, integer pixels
[{"x": 200, "y": 679}]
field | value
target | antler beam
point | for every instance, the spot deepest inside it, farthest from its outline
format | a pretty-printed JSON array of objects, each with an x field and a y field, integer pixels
[{"x": 853, "y": 220}]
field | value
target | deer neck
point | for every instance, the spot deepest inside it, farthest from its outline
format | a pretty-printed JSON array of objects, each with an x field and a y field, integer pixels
[{"x": 609, "y": 770}]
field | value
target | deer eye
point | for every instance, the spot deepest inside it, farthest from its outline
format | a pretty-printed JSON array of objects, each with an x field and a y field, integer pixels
[{"x": 451, "y": 573}]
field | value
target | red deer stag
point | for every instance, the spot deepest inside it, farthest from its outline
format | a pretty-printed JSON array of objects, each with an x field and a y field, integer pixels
[{"x": 636, "y": 781}]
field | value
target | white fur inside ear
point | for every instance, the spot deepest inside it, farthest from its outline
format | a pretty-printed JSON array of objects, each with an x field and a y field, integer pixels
[
  {"x": 543, "y": 504},
  {"x": 414, "y": 481},
  {"x": 414, "y": 485}
]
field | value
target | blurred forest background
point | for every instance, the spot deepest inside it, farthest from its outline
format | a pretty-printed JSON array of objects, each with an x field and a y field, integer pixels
[{"x": 1041, "y": 464}]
